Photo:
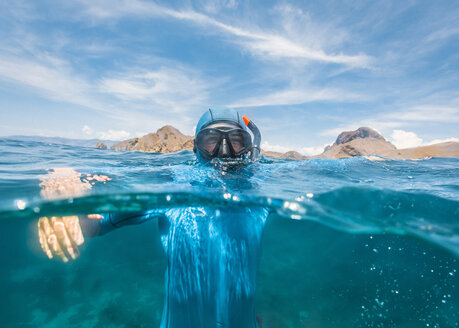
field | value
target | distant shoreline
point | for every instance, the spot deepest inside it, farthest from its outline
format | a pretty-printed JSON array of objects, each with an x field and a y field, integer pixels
[{"x": 361, "y": 142}]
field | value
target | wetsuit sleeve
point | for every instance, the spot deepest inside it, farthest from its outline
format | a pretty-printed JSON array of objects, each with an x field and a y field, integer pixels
[{"x": 112, "y": 221}]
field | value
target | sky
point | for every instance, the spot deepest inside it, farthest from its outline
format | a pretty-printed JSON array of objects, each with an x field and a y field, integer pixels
[{"x": 303, "y": 71}]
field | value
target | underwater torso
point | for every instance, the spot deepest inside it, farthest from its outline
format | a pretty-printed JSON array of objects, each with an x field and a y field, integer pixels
[{"x": 213, "y": 257}]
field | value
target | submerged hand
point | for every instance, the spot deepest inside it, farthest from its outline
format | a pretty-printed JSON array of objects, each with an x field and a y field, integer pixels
[{"x": 60, "y": 236}]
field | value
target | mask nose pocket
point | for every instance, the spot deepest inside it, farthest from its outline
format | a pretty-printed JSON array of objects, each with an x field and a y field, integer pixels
[{"x": 224, "y": 151}]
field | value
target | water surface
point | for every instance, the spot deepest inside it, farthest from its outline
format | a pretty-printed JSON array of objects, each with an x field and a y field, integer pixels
[{"x": 349, "y": 243}]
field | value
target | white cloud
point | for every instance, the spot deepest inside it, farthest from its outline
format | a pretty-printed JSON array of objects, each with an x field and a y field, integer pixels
[
  {"x": 296, "y": 96},
  {"x": 106, "y": 135},
  {"x": 278, "y": 46},
  {"x": 286, "y": 35},
  {"x": 169, "y": 88},
  {"x": 427, "y": 113},
  {"x": 114, "y": 135},
  {"x": 87, "y": 130},
  {"x": 49, "y": 75},
  {"x": 277, "y": 148},
  {"x": 396, "y": 120},
  {"x": 441, "y": 140},
  {"x": 264, "y": 44},
  {"x": 309, "y": 151},
  {"x": 54, "y": 78},
  {"x": 214, "y": 6},
  {"x": 400, "y": 138},
  {"x": 405, "y": 139},
  {"x": 442, "y": 34}
]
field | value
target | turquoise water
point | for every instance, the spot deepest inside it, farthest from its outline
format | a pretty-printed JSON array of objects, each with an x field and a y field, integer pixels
[{"x": 349, "y": 243}]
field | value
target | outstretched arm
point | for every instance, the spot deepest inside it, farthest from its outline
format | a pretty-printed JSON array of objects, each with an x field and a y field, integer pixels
[
  {"x": 100, "y": 224},
  {"x": 113, "y": 221},
  {"x": 61, "y": 236}
]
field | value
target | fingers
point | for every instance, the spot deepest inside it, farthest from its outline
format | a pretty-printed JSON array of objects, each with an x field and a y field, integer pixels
[
  {"x": 50, "y": 237},
  {"x": 43, "y": 241},
  {"x": 63, "y": 238},
  {"x": 72, "y": 225},
  {"x": 58, "y": 236}
]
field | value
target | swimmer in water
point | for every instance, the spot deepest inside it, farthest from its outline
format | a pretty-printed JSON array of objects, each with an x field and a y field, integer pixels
[{"x": 212, "y": 254}]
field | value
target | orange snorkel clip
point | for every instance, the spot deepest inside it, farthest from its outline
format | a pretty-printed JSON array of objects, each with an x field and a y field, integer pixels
[{"x": 246, "y": 120}]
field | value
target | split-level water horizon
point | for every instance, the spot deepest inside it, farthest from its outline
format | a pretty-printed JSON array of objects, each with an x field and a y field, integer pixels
[{"x": 348, "y": 243}]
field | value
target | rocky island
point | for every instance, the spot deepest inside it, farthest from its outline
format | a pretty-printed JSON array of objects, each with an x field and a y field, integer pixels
[
  {"x": 166, "y": 140},
  {"x": 361, "y": 142},
  {"x": 101, "y": 145},
  {"x": 365, "y": 141}
]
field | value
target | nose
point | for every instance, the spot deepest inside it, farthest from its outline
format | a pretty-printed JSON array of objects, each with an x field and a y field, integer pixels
[{"x": 223, "y": 151}]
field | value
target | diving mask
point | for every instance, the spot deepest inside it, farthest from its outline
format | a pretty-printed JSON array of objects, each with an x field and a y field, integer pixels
[{"x": 224, "y": 139}]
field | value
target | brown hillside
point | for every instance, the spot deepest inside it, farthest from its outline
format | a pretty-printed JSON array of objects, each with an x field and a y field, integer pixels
[{"x": 166, "y": 140}]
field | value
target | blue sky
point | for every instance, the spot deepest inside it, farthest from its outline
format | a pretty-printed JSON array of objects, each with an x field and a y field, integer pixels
[{"x": 303, "y": 71}]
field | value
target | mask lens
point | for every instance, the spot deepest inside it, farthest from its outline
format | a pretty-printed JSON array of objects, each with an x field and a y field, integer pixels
[
  {"x": 240, "y": 141},
  {"x": 209, "y": 139},
  {"x": 237, "y": 142}
]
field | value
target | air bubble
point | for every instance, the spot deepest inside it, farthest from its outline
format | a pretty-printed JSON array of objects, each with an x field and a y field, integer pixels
[{"x": 20, "y": 204}]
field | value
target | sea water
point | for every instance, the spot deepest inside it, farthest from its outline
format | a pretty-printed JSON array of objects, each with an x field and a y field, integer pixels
[{"x": 350, "y": 242}]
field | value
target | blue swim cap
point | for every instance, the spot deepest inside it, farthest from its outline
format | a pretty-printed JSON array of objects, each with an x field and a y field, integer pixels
[{"x": 217, "y": 115}]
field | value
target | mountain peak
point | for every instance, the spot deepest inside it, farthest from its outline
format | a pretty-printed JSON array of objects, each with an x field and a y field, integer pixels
[
  {"x": 169, "y": 129},
  {"x": 166, "y": 140},
  {"x": 361, "y": 142},
  {"x": 362, "y": 132}
]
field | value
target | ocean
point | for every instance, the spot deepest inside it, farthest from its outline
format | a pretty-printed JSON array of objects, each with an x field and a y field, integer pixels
[{"x": 348, "y": 243}]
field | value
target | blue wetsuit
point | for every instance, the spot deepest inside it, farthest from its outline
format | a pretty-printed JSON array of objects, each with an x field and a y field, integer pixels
[{"x": 212, "y": 257}]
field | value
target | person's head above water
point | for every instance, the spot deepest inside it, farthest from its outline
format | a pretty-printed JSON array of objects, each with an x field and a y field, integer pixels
[{"x": 221, "y": 134}]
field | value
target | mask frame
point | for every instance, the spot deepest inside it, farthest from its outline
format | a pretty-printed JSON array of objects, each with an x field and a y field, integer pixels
[{"x": 223, "y": 131}]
